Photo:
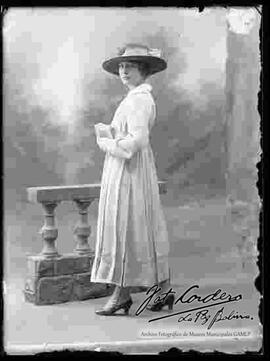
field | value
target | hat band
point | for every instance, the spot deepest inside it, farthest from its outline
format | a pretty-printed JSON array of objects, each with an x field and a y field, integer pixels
[{"x": 142, "y": 52}]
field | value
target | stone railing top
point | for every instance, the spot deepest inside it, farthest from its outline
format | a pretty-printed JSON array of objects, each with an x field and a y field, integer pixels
[{"x": 72, "y": 192}]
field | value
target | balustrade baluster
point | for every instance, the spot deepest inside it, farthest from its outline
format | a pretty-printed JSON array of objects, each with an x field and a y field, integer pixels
[
  {"x": 82, "y": 229},
  {"x": 49, "y": 231}
]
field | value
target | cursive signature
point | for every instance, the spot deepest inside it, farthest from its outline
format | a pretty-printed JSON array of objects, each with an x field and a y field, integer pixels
[
  {"x": 215, "y": 298},
  {"x": 204, "y": 316},
  {"x": 161, "y": 298}
]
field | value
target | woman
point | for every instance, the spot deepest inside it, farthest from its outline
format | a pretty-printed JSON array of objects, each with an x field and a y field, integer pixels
[{"x": 132, "y": 242}]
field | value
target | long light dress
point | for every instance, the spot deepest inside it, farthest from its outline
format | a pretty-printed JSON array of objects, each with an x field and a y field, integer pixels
[{"x": 132, "y": 240}]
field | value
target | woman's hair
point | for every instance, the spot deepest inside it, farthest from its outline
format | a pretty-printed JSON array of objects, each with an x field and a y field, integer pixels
[{"x": 143, "y": 68}]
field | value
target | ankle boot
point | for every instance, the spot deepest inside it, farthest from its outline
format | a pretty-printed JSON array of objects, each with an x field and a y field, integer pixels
[{"x": 120, "y": 299}]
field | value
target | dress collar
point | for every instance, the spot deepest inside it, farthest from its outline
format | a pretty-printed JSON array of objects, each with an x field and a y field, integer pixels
[{"x": 142, "y": 88}]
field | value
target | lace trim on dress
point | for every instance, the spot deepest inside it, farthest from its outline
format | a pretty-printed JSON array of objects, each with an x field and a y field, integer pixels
[{"x": 142, "y": 88}]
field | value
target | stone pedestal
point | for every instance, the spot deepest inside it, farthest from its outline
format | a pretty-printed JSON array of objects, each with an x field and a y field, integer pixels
[{"x": 62, "y": 279}]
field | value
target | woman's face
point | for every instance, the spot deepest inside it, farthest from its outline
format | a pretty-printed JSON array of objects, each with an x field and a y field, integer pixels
[{"x": 130, "y": 74}]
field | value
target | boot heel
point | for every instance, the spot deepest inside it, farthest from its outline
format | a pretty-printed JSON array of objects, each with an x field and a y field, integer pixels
[
  {"x": 170, "y": 306},
  {"x": 170, "y": 302}
]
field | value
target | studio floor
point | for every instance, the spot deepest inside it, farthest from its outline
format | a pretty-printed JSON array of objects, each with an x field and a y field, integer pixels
[{"x": 202, "y": 253}]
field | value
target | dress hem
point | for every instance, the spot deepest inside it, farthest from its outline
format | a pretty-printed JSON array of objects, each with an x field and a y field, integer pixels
[{"x": 130, "y": 285}]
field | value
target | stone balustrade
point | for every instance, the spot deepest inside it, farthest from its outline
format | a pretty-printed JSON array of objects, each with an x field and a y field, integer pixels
[{"x": 54, "y": 278}]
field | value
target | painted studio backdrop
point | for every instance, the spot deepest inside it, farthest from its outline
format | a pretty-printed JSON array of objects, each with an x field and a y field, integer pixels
[{"x": 55, "y": 90}]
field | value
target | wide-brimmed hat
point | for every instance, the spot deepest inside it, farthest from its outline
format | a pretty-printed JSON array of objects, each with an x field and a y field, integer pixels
[{"x": 140, "y": 53}]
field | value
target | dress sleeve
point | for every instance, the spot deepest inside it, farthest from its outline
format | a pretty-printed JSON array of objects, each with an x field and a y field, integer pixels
[
  {"x": 139, "y": 113},
  {"x": 110, "y": 146}
]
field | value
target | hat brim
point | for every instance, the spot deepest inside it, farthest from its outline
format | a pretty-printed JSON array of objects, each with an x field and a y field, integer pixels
[{"x": 155, "y": 64}]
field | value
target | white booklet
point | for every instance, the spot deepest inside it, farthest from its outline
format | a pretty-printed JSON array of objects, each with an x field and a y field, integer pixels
[{"x": 103, "y": 130}]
